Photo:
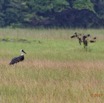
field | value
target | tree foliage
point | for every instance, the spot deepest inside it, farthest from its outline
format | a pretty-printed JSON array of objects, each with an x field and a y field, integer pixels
[
  {"x": 99, "y": 7},
  {"x": 35, "y": 12},
  {"x": 83, "y": 4}
]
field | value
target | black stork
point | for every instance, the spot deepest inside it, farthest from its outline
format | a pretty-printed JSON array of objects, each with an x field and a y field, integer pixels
[{"x": 18, "y": 59}]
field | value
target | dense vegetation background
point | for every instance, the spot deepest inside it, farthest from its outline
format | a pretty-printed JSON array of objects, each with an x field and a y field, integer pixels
[{"x": 52, "y": 13}]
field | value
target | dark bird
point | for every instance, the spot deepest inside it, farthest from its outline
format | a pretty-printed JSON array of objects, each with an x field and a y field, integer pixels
[
  {"x": 88, "y": 35},
  {"x": 73, "y": 36},
  {"x": 79, "y": 39},
  {"x": 85, "y": 40},
  {"x": 93, "y": 40},
  {"x": 18, "y": 59},
  {"x": 78, "y": 36}
]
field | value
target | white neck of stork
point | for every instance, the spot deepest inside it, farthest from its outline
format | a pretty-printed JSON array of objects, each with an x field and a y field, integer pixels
[{"x": 22, "y": 52}]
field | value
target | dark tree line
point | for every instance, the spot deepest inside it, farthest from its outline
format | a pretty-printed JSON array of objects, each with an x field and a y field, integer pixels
[{"x": 48, "y": 13}]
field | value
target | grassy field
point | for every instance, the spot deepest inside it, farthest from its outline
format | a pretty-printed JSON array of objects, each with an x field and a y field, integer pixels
[{"x": 56, "y": 69}]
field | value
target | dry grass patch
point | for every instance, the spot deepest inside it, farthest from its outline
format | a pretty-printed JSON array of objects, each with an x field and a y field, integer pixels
[
  {"x": 98, "y": 64},
  {"x": 44, "y": 81}
]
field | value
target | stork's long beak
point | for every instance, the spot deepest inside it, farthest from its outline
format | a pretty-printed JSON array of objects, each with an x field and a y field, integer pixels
[{"x": 24, "y": 51}]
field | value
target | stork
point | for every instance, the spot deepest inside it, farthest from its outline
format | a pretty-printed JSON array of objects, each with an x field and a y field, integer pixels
[{"x": 18, "y": 59}]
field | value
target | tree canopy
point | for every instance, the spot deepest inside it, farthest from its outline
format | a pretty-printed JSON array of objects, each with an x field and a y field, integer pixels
[{"x": 30, "y": 13}]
